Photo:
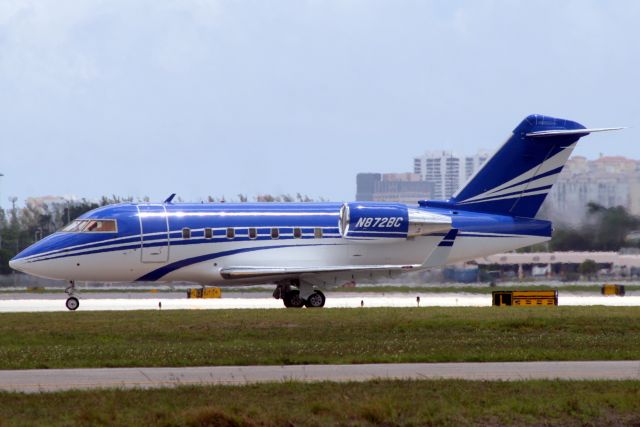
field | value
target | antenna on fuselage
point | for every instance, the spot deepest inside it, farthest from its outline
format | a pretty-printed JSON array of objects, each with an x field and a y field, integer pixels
[{"x": 170, "y": 198}]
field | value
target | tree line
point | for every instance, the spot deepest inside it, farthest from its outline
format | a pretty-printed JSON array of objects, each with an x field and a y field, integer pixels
[{"x": 604, "y": 229}]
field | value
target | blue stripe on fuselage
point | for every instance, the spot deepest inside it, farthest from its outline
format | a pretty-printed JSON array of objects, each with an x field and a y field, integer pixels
[{"x": 166, "y": 269}]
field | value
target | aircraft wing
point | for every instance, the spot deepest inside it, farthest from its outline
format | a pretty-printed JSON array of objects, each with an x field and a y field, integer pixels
[
  {"x": 248, "y": 272},
  {"x": 436, "y": 258}
]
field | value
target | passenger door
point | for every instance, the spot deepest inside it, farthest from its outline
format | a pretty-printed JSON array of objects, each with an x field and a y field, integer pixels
[{"x": 154, "y": 233}]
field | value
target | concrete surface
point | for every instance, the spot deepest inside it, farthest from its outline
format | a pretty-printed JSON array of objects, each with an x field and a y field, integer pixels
[{"x": 37, "y": 380}]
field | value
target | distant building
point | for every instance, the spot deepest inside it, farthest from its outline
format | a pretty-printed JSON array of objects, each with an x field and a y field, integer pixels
[
  {"x": 447, "y": 170},
  {"x": 436, "y": 175},
  {"x": 366, "y": 185},
  {"x": 392, "y": 187},
  {"x": 558, "y": 265},
  {"x": 609, "y": 181}
]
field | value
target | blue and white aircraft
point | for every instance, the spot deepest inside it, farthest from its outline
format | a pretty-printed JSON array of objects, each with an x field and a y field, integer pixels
[{"x": 303, "y": 248}]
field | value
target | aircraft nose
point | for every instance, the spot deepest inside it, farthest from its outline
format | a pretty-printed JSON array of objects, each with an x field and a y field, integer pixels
[{"x": 16, "y": 264}]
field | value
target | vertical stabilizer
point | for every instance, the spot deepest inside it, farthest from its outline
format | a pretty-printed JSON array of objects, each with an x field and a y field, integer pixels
[{"x": 518, "y": 177}]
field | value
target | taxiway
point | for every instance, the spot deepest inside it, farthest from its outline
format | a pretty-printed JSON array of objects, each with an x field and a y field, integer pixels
[{"x": 42, "y": 380}]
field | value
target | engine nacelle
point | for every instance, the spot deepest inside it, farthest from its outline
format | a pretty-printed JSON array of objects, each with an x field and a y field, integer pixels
[{"x": 389, "y": 220}]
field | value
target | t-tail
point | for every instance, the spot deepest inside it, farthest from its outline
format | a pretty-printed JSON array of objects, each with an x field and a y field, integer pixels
[{"x": 518, "y": 177}]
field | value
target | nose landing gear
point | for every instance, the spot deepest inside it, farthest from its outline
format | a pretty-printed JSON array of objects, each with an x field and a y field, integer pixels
[{"x": 72, "y": 302}]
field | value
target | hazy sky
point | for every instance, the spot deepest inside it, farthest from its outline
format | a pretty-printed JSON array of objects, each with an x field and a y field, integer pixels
[{"x": 225, "y": 97}]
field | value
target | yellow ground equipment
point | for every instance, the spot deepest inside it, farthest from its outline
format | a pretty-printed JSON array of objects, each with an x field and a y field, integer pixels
[
  {"x": 611, "y": 289},
  {"x": 204, "y": 293},
  {"x": 526, "y": 298}
]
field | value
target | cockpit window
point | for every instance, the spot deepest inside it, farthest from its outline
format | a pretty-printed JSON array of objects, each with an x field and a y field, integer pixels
[
  {"x": 92, "y": 226},
  {"x": 73, "y": 226}
]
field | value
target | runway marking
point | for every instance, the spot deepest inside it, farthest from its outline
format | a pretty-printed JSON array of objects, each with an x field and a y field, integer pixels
[{"x": 43, "y": 380}]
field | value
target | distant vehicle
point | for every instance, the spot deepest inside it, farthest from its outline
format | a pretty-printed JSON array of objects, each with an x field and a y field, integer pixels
[
  {"x": 612, "y": 289},
  {"x": 530, "y": 298},
  {"x": 303, "y": 248}
]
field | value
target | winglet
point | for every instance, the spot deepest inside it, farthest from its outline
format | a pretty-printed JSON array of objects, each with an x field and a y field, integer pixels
[{"x": 170, "y": 198}]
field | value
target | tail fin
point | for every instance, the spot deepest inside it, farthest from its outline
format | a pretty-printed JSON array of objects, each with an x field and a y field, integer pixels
[{"x": 518, "y": 177}]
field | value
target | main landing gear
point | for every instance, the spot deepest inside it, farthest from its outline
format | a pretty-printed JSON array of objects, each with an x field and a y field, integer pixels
[
  {"x": 292, "y": 298},
  {"x": 72, "y": 302},
  {"x": 315, "y": 300}
]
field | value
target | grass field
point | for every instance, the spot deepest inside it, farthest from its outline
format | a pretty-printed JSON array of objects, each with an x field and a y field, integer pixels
[
  {"x": 391, "y": 403},
  {"x": 242, "y": 337}
]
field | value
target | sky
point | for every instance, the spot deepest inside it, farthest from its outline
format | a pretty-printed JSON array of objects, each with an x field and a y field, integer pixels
[{"x": 198, "y": 97}]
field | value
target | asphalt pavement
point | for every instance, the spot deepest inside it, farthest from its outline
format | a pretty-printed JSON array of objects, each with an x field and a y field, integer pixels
[{"x": 43, "y": 380}]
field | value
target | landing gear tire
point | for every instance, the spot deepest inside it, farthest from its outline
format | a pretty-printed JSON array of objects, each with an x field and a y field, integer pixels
[
  {"x": 315, "y": 300},
  {"x": 292, "y": 299},
  {"x": 72, "y": 303}
]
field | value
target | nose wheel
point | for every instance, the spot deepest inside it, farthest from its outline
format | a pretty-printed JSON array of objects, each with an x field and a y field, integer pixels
[{"x": 72, "y": 302}]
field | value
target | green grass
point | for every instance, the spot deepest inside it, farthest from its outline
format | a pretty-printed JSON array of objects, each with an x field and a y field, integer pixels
[
  {"x": 242, "y": 337},
  {"x": 391, "y": 403}
]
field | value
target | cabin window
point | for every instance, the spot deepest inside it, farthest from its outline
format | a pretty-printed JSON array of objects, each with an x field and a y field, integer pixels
[
  {"x": 275, "y": 233},
  {"x": 297, "y": 233},
  {"x": 208, "y": 233},
  {"x": 231, "y": 233},
  {"x": 253, "y": 233},
  {"x": 92, "y": 226},
  {"x": 317, "y": 233},
  {"x": 186, "y": 233}
]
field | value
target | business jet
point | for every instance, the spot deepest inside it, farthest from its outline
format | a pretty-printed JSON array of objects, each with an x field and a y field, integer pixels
[{"x": 305, "y": 248}]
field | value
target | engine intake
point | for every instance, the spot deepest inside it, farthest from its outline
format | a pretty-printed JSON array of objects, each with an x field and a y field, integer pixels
[{"x": 389, "y": 220}]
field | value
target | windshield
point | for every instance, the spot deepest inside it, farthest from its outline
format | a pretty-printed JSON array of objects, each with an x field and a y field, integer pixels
[{"x": 91, "y": 226}]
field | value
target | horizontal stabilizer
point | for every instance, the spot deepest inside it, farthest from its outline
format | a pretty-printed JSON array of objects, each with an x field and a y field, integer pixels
[{"x": 560, "y": 132}]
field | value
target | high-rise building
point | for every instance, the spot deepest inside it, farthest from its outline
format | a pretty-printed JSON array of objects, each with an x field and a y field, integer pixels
[
  {"x": 473, "y": 163},
  {"x": 447, "y": 170},
  {"x": 608, "y": 181}
]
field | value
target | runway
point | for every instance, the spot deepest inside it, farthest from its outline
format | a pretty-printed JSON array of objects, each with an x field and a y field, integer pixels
[
  {"x": 43, "y": 380},
  {"x": 174, "y": 301}
]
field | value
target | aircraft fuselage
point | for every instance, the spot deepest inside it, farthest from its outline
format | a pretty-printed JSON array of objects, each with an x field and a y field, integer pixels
[{"x": 196, "y": 242}]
